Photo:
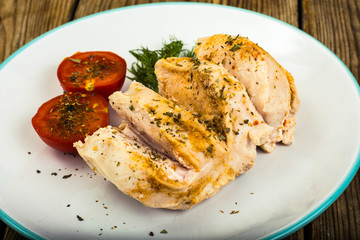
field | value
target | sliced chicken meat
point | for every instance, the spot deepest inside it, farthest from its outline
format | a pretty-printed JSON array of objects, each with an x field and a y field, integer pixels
[
  {"x": 217, "y": 98},
  {"x": 190, "y": 165},
  {"x": 166, "y": 127},
  {"x": 136, "y": 169},
  {"x": 270, "y": 87},
  {"x": 179, "y": 148}
]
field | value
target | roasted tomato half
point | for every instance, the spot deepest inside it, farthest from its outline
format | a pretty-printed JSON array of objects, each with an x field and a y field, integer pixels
[
  {"x": 100, "y": 72},
  {"x": 68, "y": 118}
]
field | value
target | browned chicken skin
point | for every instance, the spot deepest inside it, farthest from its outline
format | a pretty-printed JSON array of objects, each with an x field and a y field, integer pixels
[
  {"x": 196, "y": 169},
  {"x": 210, "y": 92},
  {"x": 270, "y": 87}
]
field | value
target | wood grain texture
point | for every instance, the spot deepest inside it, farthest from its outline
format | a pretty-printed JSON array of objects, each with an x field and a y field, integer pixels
[
  {"x": 336, "y": 23},
  {"x": 23, "y": 20},
  {"x": 10, "y": 234},
  {"x": 285, "y": 10}
]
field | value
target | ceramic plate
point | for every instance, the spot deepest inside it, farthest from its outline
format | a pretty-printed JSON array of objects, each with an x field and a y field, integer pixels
[{"x": 284, "y": 191}]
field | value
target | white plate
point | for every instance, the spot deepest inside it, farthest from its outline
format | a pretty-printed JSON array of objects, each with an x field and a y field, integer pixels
[{"x": 283, "y": 192}]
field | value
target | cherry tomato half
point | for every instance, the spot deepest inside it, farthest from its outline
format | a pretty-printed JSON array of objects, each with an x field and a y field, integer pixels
[
  {"x": 98, "y": 71},
  {"x": 68, "y": 118}
]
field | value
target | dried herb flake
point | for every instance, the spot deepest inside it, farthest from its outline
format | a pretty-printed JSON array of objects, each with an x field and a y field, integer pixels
[
  {"x": 67, "y": 176},
  {"x": 75, "y": 60}
]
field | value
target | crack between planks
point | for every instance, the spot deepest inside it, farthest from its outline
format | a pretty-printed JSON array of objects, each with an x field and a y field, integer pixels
[
  {"x": 73, "y": 10},
  {"x": 308, "y": 231},
  {"x": 2, "y": 229},
  {"x": 301, "y": 14}
]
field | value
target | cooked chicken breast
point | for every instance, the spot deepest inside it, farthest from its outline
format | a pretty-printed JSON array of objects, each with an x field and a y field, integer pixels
[
  {"x": 147, "y": 175},
  {"x": 179, "y": 148},
  {"x": 166, "y": 127},
  {"x": 217, "y": 98},
  {"x": 134, "y": 168},
  {"x": 270, "y": 87},
  {"x": 199, "y": 163}
]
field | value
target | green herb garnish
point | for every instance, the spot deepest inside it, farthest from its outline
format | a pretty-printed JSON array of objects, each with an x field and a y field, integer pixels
[
  {"x": 75, "y": 60},
  {"x": 170, "y": 114},
  {"x": 144, "y": 71},
  {"x": 222, "y": 137},
  {"x": 236, "y": 47}
]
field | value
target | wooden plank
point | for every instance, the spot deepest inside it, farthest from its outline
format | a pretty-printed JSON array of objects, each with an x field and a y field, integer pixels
[
  {"x": 12, "y": 235},
  {"x": 285, "y": 10},
  {"x": 336, "y": 23},
  {"x": 84, "y": 8},
  {"x": 23, "y": 20},
  {"x": 2, "y": 229}
]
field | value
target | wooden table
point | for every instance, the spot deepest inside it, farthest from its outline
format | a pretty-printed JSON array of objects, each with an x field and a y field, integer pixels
[{"x": 335, "y": 23}]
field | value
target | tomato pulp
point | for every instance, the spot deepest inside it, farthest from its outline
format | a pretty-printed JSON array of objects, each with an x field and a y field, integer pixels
[
  {"x": 99, "y": 71},
  {"x": 70, "y": 117}
]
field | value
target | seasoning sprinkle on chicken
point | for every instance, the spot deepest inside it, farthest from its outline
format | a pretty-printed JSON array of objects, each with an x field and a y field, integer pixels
[
  {"x": 270, "y": 87},
  {"x": 175, "y": 149}
]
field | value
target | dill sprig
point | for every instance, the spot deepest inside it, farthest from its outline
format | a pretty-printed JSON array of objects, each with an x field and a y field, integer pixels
[{"x": 143, "y": 70}]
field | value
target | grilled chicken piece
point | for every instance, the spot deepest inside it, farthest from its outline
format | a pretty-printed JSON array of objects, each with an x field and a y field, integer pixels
[
  {"x": 270, "y": 86},
  {"x": 210, "y": 92},
  {"x": 147, "y": 175},
  {"x": 134, "y": 168},
  {"x": 198, "y": 166},
  {"x": 166, "y": 127}
]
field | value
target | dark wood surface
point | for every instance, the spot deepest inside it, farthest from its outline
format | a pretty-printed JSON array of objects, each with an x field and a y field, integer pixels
[{"x": 335, "y": 23}]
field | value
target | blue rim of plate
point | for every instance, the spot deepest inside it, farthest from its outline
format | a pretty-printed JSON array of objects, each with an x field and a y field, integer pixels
[{"x": 276, "y": 235}]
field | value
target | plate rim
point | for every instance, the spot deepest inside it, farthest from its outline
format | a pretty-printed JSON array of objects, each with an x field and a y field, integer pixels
[{"x": 282, "y": 232}]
